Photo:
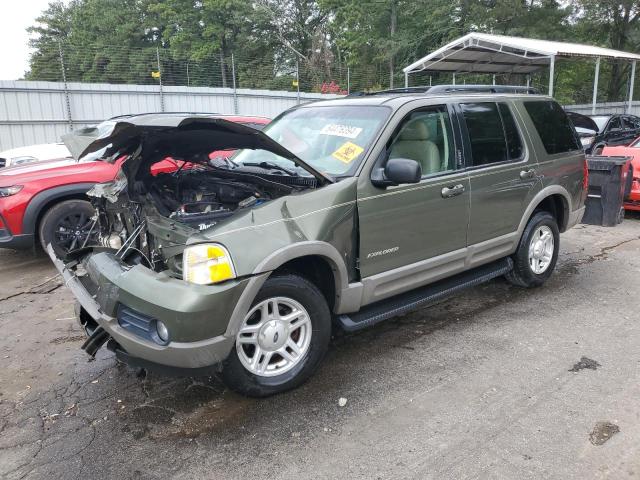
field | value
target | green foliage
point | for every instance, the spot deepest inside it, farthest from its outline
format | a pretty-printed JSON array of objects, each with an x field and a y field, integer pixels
[{"x": 362, "y": 43}]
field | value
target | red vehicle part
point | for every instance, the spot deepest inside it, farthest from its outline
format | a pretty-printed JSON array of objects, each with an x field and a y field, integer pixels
[
  {"x": 45, "y": 184},
  {"x": 633, "y": 151}
]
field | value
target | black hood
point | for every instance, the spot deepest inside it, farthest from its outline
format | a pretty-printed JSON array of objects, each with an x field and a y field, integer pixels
[{"x": 151, "y": 138}]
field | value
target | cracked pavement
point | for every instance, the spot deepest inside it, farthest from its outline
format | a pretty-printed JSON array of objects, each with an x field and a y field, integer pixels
[{"x": 484, "y": 385}]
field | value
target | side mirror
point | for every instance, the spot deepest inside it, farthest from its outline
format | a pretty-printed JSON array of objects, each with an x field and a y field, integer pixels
[{"x": 397, "y": 172}]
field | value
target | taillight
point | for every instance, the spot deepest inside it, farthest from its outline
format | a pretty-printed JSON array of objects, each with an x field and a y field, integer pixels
[{"x": 585, "y": 175}]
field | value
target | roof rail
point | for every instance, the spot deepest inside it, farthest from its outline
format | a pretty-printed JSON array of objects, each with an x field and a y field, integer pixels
[{"x": 439, "y": 89}]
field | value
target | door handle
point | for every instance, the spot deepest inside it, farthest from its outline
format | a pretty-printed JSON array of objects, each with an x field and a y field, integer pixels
[
  {"x": 525, "y": 174},
  {"x": 448, "y": 192}
]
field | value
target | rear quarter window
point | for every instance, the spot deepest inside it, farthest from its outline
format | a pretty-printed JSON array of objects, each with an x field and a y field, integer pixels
[{"x": 553, "y": 126}]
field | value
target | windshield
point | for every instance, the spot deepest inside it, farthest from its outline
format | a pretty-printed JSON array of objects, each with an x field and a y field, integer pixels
[
  {"x": 600, "y": 122},
  {"x": 331, "y": 139}
]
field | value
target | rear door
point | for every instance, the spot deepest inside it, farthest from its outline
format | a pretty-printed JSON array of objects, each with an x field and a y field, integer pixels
[
  {"x": 631, "y": 128},
  {"x": 615, "y": 133},
  {"x": 502, "y": 172}
]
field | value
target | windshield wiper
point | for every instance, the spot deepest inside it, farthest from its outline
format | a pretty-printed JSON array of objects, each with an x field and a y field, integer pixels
[{"x": 272, "y": 166}]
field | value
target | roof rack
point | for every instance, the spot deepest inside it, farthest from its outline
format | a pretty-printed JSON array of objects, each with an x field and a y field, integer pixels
[{"x": 439, "y": 89}]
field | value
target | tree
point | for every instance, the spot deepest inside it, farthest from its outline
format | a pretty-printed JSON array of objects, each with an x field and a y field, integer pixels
[{"x": 615, "y": 25}]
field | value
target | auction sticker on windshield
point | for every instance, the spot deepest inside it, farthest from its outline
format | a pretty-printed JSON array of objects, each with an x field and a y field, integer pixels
[
  {"x": 347, "y": 152},
  {"x": 336, "y": 130}
]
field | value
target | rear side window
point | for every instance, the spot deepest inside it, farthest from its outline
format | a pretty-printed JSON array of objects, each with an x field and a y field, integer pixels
[
  {"x": 514, "y": 144},
  {"x": 492, "y": 131},
  {"x": 553, "y": 126}
]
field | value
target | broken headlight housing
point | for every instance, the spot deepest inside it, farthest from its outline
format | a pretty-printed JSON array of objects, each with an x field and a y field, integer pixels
[{"x": 207, "y": 263}]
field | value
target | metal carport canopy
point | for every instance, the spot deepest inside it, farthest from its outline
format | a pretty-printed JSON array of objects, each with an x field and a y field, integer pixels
[{"x": 495, "y": 54}]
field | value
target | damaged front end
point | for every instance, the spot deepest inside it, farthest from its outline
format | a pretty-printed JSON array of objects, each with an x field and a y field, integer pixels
[{"x": 133, "y": 291}]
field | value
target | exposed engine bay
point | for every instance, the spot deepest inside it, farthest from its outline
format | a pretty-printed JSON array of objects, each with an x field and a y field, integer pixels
[
  {"x": 195, "y": 199},
  {"x": 168, "y": 189}
]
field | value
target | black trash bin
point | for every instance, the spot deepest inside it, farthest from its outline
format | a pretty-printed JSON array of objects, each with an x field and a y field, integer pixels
[{"x": 608, "y": 186}]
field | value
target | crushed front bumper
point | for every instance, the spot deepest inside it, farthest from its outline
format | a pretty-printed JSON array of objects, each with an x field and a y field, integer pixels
[{"x": 202, "y": 320}]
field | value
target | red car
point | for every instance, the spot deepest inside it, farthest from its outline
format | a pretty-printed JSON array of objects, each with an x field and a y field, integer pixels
[
  {"x": 46, "y": 201},
  {"x": 633, "y": 150}
]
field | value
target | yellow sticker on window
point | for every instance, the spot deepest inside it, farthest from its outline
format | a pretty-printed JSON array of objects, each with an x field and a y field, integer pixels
[{"x": 347, "y": 152}]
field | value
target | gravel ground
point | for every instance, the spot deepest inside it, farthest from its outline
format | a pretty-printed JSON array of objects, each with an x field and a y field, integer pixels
[{"x": 498, "y": 382}]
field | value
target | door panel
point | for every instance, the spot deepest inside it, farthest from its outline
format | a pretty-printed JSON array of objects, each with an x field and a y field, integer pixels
[
  {"x": 410, "y": 223},
  {"x": 406, "y": 224},
  {"x": 503, "y": 178},
  {"x": 499, "y": 197}
]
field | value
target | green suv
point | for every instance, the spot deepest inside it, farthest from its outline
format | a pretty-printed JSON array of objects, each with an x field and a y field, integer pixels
[{"x": 339, "y": 214}]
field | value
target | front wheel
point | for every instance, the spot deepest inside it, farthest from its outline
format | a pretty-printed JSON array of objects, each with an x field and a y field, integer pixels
[
  {"x": 282, "y": 339},
  {"x": 67, "y": 226},
  {"x": 537, "y": 252}
]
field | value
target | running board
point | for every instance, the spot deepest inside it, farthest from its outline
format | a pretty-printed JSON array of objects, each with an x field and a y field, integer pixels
[{"x": 420, "y": 297}]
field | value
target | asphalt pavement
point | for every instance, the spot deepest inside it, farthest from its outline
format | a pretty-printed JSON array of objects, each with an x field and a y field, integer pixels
[{"x": 496, "y": 383}]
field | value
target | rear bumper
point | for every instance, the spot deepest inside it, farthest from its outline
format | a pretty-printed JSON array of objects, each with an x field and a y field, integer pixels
[{"x": 187, "y": 310}]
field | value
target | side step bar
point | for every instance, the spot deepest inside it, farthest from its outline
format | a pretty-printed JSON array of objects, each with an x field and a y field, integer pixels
[{"x": 420, "y": 297}]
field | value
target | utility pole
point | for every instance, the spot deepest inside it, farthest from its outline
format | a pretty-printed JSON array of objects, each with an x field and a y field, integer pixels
[
  {"x": 392, "y": 32},
  {"x": 298, "y": 80},
  {"x": 160, "y": 79},
  {"x": 66, "y": 87},
  {"x": 235, "y": 92}
]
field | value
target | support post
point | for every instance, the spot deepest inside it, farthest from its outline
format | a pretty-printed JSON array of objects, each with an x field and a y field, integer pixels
[
  {"x": 298, "y": 80},
  {"x": 188, "y": 82},
  {"x": 552, "y": 71},
  {"x": 235, "y": 91},
  {"x": 494, "y": 79},
  {"x": 160, "y": 78},
  {"x": 348, "y": 80},
  {"x": 595, "y": 87},
  {"x": 528, "y": 80},
  {"x": 633, "y": 80},
  {"x": 406, "y": 79},
  {"x": 67, "y": 100},
  {"x": 454, "y": 78}
]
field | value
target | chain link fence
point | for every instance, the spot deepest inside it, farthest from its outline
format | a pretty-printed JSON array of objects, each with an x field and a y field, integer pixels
[{"x": 115, "y": 64}]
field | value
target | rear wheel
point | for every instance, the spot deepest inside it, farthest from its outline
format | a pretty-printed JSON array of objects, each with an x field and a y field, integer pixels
[
  {"x": 67, "y": 226},
  {"x": 282, "y": 339},
  {"x": 537, "y": 252}
]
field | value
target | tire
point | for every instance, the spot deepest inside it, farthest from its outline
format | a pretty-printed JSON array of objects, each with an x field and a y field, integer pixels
[
  {"x": 597, "y": 150},
  {"x": 247, "y": 370},
  {"x": 66, "y": 226},
  {"x": 532, "y": 272}
]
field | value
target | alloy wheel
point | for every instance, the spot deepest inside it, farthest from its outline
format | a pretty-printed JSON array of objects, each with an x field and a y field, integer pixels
[
  {"x": 541, "y": 249},
  {"x": 274, "y": 337},
  {"x": 73, "y": 231}
]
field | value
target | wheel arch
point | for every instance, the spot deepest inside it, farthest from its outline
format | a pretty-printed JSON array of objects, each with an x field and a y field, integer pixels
[
  {"x": 319, "y": 262},
  {"x": 554, "y": 199},
  {"x": 43, "y": 201}
]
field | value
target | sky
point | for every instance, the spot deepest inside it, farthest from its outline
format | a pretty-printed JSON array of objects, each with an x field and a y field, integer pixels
[{"x": 15, "y": 17}]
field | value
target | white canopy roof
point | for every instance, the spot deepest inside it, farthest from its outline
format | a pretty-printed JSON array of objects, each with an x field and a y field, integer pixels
[{"x": 485, "y": 53}]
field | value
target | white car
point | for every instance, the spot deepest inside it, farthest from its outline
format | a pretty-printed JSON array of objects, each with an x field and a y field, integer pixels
[{"x": 33, "y": 153}]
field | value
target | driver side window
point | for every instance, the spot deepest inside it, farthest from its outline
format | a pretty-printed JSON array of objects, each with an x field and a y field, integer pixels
[{"x": 425, "y": 136}]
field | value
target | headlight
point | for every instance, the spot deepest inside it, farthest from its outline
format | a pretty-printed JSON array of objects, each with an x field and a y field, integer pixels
[
  {"x": 206, "y": 264},
  {"x": 8, "y": 191},
  {"x": 586, "y": 141}
]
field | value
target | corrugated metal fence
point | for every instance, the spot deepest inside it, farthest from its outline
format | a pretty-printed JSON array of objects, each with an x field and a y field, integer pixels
[
  {"x": 40, "y": 112},
  {"x": 602, "y": 108}
]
